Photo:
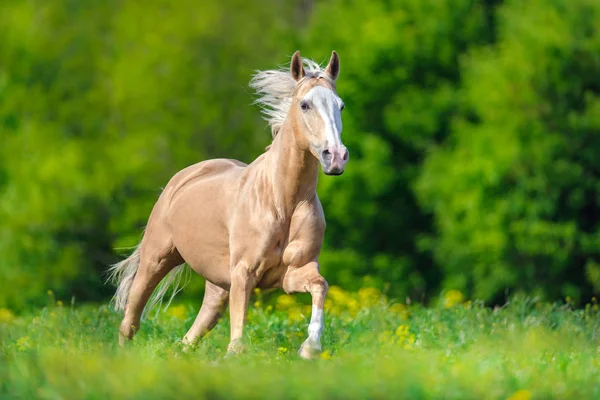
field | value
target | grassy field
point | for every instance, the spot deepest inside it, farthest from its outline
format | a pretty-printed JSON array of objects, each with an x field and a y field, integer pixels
[{"x": 374, "y": 348}]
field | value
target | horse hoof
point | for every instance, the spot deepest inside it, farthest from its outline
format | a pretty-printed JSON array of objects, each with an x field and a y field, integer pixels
[
  {"x": 123, "y": 340},
  {"x": 234, "y": 349},
  {"x": 309, "y": 353},
  {"x": 186, "y": 347}
]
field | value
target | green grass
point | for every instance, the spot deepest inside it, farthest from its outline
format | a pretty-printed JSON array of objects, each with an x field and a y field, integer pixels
[{"x": 374, "y": 349}]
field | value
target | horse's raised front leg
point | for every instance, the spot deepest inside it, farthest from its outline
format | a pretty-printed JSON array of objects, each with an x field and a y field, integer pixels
[
  {"x": 308, "y": 279},
  {"x": 213, "y": 307},
  {"x": 239, "y": 294}
]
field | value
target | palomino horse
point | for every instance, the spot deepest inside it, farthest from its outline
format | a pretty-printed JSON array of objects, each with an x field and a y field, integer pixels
[{"x": 246, "y": 226}]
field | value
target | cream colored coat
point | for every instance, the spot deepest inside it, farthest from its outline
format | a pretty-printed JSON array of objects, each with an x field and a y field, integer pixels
[{"x": 245, "y": 226}]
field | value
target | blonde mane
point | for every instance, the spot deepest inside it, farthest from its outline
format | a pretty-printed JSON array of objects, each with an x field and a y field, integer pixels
[{"x": 275, "y": 89}]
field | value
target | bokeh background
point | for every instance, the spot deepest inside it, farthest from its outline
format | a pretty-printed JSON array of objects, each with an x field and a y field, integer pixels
[{"x": 473, "y": 128}]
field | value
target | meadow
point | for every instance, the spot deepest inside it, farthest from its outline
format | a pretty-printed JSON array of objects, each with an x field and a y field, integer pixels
[{"x": 373, "y": 348}]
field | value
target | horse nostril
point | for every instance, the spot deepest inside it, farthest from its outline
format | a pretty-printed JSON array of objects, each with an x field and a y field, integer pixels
[
  {"x": 345, "y": 156},
  {"x": 326, "y": 154}
]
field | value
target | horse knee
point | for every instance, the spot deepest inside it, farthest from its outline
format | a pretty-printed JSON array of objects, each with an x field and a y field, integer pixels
[
  {"x": 318, "y": 286},
  {"x": 304, "y": 279}
]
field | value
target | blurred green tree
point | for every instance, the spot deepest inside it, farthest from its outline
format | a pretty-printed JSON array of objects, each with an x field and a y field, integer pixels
[
  {"x": 514, "y": 189},
  {"x": 399, "y": 78},
  {"x": 100, "y": 104}
]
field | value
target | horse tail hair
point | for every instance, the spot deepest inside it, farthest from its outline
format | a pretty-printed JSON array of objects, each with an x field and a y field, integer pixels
[
  {"x": 175, "y": 280},
  {"x": 121, "y": 274}
]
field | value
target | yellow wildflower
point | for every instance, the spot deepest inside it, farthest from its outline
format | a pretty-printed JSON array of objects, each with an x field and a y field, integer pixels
[
  {"x": 353, "y": 306},
  {"x": 409, "y": 343},
  {"x": 326, "y": 355},
  {"x": 404, "y": 338},
  {"x": 520, "y": 395},
  {"x": 453, "y": 298},
  {"x": 6, "y": 316},
  {"x": 177, "y": 312},
  {"x": 307, "y": 310},
  {"x": 402, "y": 331},
  {"x": 59, "y": 303},
  {"x": 400, "y": 309},
  {"x": 336, "y": 292},
  {"x": 369, "y": 296},
  {"x": 285, "y": 302},
  {"x": 339, "y": 302},
  {"x": 295, "y": 314},
  {"x": 282, "y": 350},
  {"x": 23, "y": 343}
]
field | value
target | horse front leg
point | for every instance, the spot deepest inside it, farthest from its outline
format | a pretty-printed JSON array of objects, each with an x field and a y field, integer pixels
[
  {"x": 309, "y": 279},
  {"x": 239, "y": 295}
]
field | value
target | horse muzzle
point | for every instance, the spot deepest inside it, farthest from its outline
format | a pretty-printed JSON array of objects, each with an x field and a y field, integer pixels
[{"x": 334, "y": 159}]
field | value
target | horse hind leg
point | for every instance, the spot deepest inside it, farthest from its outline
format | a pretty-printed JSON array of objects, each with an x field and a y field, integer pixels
[
  {"x": 156, "y": 261},
  {"x": 213, "y": 306}
]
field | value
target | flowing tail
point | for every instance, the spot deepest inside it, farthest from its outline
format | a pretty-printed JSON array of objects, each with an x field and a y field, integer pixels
[{"x": 123, "y": 273}]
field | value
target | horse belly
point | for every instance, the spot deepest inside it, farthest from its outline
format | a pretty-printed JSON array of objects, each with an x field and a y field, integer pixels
[
  {"x": 207, "y": 257},
  {"x": 198, "y": 216}
]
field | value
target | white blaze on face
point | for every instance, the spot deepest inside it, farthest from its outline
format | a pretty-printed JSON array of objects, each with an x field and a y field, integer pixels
[{"x": 328, "y": 105}]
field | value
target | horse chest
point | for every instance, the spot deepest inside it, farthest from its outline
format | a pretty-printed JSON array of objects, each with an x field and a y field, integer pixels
[
  {"x": 277, "y": 248},
  {"x": 271, "y": 244},
  {"x": 274, "y": 245},
  {"x": 294, "y": 248}
]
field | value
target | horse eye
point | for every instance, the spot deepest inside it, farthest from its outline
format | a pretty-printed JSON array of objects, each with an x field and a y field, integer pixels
[{"x": 304, "y": 105}]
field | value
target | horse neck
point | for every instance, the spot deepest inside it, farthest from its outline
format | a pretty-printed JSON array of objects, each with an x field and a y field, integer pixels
[{"x": 294, "y": 171}]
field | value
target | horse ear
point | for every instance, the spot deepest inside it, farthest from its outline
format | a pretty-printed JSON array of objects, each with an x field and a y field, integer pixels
[
  {"x": 333, "y": 68},
  {"x": 296, "y": 67}
]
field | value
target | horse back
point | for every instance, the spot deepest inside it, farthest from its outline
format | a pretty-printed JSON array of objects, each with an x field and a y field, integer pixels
[{"x": 205, "y": 169}]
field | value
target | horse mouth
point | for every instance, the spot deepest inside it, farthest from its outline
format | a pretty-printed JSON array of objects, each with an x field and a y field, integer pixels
[{"x": 334, "y": 172}]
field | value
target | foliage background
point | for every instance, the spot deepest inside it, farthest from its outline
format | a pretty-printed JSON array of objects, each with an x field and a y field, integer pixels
[{"x": 472, "y": 125}]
